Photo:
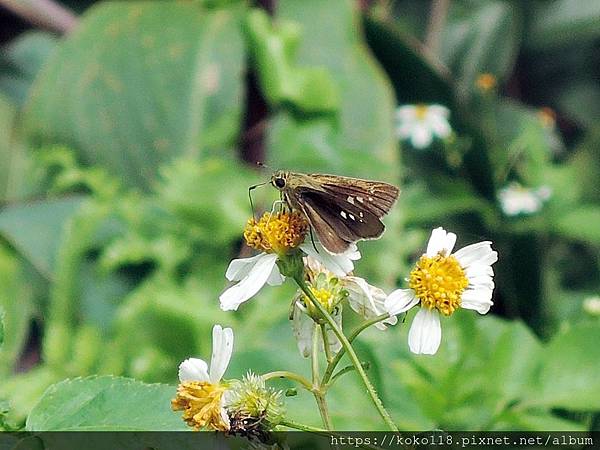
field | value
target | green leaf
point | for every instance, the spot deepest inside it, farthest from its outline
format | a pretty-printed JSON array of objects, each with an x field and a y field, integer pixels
[
  {"x": 34, "y": 229},
  {"x": 559, "y": 22},
  {"x": 569, "y": 373},
  {"x": 105, "y": 403},
  {"x": 16, "y": 309},
  {"x": 360, "y": 139},
  {"x": 311, "y": 89},
  {"x": 16, "y": 179},
  {"x": 580, "y": 224},
  {"x": 1, "y": 327},
  {"x": 141, "y": 82},
  {"x": 20, "y": 62},
  {"x": 416, "y": 78}
]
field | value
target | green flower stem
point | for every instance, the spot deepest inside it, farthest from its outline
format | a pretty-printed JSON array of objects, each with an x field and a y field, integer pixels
[
  {"x": 331, "y": 367},
  {"x": 341, "y": 372},
  {"x": 303, "y": 427},
  {"x": 350, "y": 350},
  {"x": 317, "y": 392},
  {"x": 290, "y": 376},
  {"x": 328, "y": 354}
]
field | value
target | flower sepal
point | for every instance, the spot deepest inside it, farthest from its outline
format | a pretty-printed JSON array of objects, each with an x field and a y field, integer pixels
[{"x": 291, "y": 265}]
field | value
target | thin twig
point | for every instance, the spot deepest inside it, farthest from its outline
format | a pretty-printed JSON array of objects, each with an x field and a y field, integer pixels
[
  {"x": 43, "y": 13},
  {"x": 435, "y": 27}
]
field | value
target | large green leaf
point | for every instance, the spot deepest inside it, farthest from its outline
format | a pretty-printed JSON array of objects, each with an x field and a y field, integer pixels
[
  {"x": 105, "y": 403},
  {"x": 359, "y": 139},
  {"x": 34, "y": 229},
  {"x": 569, "y": 374},
  {"x": 20, "y": 62},
  {"x": 141, "y": 82}
]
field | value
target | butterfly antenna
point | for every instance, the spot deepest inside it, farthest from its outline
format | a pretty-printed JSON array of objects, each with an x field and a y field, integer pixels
[{"x": 250, "y": 189}]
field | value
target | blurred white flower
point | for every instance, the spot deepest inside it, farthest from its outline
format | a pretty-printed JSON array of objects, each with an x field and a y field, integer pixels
[
  {"x": 276, "y": 236},
  {"x": 422, "y": 123},
  {"x": 516, "y": 199},
  {"x": 442, "y": 282},
  {"x": 591, "y": 305},
  {"x": 200, "y": 393}
]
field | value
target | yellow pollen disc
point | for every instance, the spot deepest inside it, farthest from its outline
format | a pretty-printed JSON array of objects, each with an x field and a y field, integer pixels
[
  {"x": 439, "y": 282},
  {"x": 277, "y": 233},
  {"x": 324, "y": 296},
  {"x": 200, "y": 402},
  {"x": 486, "y": 82},
  {"x": 421, "y": 111}
]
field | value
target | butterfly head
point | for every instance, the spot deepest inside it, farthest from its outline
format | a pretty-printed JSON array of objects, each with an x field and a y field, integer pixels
[{"x": 279, "y": 179}]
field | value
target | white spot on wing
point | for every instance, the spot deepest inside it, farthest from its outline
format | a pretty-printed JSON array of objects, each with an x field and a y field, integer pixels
[
  {"x": 343, "y": 214},
  {"x": 370, "y": 199},
  {"x": 361, "y": 214},
  {"x": 360, "y": 199},
  {"x": 350, "y": 199},
  {"x": 352, "y": 216}
]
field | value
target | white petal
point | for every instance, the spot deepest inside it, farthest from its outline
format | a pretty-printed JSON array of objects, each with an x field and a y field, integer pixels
[
  {"x": 421, "y": 136},
  {"x": 339, "y": 264},
  {"x": 275, "y": 278},
  {"x": 438, "y": 110},
  {"x": 250, "y": 284},
  {"x": 224, "y": 414},
  {"x": 405, "y": 129},
  {"x": 406, "y": 112},
  {"x": 401, "y": 300},
  {"x": 303, "y": 327},
  {"x": 222, "y": 342},
  {"x": 425, "y": 332},
  {"x": 193, "y": 369},
  {"x": 439, "y": 125},
  {"x": 367, "y": 300},
  {"x": 239, "y": 268},
  {"x": 477, "y": 270},
  {"x": 440, "y": 241},
  {"x": 481, "y": 281},
  {"x": 480, "y": 253},
  {"x": 478, "y": 299},
  {"x": 334, "y": 343}
]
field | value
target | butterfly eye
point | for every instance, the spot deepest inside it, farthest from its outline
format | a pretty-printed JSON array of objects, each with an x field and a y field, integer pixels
[{"x": 279, "y": 183}]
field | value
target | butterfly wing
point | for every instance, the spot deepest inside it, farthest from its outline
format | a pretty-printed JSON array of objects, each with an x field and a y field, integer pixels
[
  {"x": 374, "y": 196},
  {"x": 338, "y": 222}
]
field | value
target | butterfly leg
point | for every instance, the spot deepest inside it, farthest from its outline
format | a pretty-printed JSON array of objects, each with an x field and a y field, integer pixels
[{"x": 312, "y": 239}]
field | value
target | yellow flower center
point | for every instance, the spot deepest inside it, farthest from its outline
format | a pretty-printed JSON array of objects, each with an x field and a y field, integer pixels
[
  {"x": 439, "y": 282},
  {"x": 420, "y": 111},
  {"x": 486, "y": 82},
  {"x": 324, "y": 296},
  {"x": 200, "y": 402},
  {"x": 277, "y": 233}
]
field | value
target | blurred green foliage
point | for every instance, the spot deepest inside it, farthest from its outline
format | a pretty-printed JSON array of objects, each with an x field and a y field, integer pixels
[{"x": 123, "y": 197}]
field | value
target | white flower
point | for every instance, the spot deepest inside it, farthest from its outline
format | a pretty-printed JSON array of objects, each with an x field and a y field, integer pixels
[
  {"x": 516, "y": 199},
  {"x": 421, "y": 123},
  {"x": 591, "y": 305},
  {"x": 200, "y": 394},
  {"x": 440, "y": 283},
  {"x": 253, "y": 273}
]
